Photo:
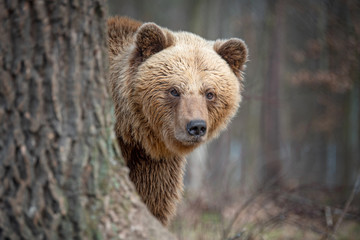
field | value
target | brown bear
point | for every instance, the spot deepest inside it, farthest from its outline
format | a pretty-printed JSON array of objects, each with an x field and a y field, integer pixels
[{"x": 172, "y": 91}]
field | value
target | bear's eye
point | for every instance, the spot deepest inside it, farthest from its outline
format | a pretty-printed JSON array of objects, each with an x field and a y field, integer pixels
[
  {"x": 209, "y": 95},
  {"x": 174, "y": 92}
]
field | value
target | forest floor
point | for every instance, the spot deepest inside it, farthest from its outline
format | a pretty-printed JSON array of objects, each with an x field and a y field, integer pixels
[{"x": 280, "y": 215}]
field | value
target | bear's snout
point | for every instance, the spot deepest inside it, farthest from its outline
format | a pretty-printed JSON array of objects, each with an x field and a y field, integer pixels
[
  {"x": 191, "y": 120},
  {"x": 196, "y": 128}
]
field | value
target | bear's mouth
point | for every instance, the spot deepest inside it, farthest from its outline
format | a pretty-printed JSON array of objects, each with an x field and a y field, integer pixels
[
  {"x": 187, "y": 140},
  {"x": 193, "y": 141},
  {"x": 183, "y": 144}
]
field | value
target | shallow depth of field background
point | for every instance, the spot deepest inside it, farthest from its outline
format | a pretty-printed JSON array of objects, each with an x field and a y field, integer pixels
[{"x": 288, "y": 165}]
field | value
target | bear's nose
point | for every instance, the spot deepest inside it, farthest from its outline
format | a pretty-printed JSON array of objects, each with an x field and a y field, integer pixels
[{"x": 196, "y": 128}]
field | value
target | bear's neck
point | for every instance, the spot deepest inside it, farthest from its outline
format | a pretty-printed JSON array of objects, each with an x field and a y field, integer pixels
[{"x": 158, "y": 182}]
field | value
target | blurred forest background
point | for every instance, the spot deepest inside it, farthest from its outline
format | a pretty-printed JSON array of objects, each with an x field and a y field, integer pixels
[{"x": 288, "y": 166}]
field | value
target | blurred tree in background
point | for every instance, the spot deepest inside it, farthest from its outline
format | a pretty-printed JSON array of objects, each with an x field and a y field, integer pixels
[{"x": 298, "y": 124}]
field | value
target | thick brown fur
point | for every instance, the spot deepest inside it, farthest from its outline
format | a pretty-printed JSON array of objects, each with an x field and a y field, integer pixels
[{"x": 161, "y": 81}]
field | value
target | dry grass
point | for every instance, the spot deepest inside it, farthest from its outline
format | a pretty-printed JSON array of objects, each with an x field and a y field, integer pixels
[{"x": 272, "y": 215}]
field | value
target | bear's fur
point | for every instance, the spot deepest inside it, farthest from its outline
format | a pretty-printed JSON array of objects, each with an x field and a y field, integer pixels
[{"x": 172, "y": 91}]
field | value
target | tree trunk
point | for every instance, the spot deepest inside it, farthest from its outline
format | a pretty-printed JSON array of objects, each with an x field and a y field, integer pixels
[
  {"x": 270, "y": 106},
  {"x": 60, "y": 177}
]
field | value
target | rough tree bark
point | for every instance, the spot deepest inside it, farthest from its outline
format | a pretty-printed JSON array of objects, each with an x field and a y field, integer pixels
[{"x": 60, "y": 177}]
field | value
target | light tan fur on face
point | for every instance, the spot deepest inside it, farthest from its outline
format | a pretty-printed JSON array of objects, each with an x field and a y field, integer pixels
[
  {"x": 192, "y": 70},
  {"x": 146, "y": 63}
]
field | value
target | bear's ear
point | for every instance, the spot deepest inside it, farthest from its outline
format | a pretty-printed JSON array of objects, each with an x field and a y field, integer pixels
[
  {"x": 151, "y": 39},
  {"x": 234, "y": 52}
]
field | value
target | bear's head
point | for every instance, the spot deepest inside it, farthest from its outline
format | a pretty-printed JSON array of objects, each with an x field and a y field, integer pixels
[{"x": 188, "y": 88}]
